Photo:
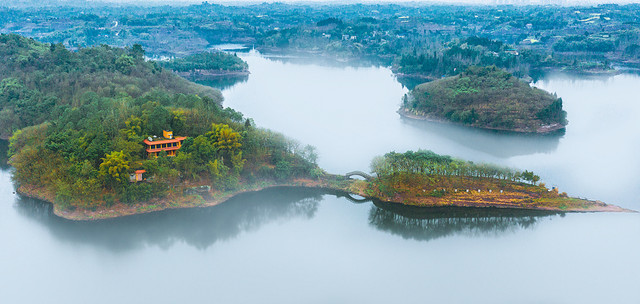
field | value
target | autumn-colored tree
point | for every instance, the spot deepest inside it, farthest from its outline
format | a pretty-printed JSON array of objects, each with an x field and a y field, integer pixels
[
  {"x": 225, "y": 140},
  {"x": 134, "y": 127},
  {"x": 114, "y": 167},
  {"x": 224, "y": 137}
]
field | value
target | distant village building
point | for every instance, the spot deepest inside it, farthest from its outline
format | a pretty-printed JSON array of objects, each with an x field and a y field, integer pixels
[{"x": 168, "y": 143}]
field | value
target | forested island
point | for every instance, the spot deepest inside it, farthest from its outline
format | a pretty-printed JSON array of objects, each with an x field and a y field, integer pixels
[
  {"x": 208, "y": 64},
  {"x": 489, "y": 98}
]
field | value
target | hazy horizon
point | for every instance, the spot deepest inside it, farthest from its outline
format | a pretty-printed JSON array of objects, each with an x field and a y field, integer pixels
[
  {"x": 472, "y": 2},
  {"x": 244, "y": 2}
]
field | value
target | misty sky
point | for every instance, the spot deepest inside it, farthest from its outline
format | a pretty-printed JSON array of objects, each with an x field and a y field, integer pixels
[{"x": 564, "y": 2}]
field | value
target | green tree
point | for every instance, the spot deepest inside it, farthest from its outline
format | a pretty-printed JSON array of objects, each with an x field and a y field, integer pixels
[
  {"x": 157, "y": 118},
  {"x": 124, "y": 64},
  {"x": 237, "y": 162},
  {"x": 283, "y": 170},
  {"x": 530, "y": 177},
  {"x": 202, "y": 150},
  {"x": 219, "y": 174},
  {"x": 137, "y": 52},
  {"x": 186, "y": 164}
]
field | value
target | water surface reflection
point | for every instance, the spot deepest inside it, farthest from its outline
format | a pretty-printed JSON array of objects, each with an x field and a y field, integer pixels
[
  {"x": 198, "y": 227},
  {"x": 4, "y": 156},
  {"x": 203, "y": 227},
  {"x": 499, "y": 144},
  {"x": 219, "y": 82},
  {"x": 309, "y": 59},
  {"x": 427, "y": 224}
]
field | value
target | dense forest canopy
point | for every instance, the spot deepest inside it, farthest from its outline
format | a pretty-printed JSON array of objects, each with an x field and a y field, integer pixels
[
  {"x": 80, "y": 119},
  {"x": 487, "y": 97},
  {"x": 39, "y": 82}
]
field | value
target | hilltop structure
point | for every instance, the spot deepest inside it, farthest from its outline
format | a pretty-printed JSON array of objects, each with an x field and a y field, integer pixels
[{"x": 168, "y": 143}]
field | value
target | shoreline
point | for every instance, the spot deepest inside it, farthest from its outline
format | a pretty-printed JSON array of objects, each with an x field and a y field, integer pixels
[
  {"x": 542, "y": 130},
  {"x": 333, "y": 184},
  {"x": 170, "y": 202},
  {"x": 473, "y": 199},
  {"x": 379, "y": 60},
  {"x": 212, "y": 73}
]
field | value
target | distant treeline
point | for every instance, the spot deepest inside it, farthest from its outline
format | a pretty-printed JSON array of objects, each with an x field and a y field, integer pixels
[
  {"x": 425, "y": 162},
  {"x": 579, "y": 38},
  {"x": 458, "y": 56}
]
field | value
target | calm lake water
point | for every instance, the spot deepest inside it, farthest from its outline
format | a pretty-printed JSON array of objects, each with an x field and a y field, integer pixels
[{"x": 302, "y": 246}]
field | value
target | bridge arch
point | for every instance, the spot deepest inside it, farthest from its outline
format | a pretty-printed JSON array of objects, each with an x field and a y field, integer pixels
[
  {"x": 358, "y": 173},
  {"x": 356, "y": 200}
]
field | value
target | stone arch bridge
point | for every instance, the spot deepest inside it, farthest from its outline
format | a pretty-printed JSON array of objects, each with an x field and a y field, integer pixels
[{"x": 358, "y": 173}]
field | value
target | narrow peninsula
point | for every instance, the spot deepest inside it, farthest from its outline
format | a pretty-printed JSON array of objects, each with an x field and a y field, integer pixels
[
  {"x": 487, "y": 98},
  {"x": 426, "y": 179}
]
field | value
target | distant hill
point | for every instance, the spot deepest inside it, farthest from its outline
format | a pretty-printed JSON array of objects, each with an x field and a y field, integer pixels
[{"x": 486, "y": 97}]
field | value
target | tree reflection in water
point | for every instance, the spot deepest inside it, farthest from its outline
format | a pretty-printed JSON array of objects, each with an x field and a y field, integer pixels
[
  {"x": 219, "y": 82},
  {"x": 426, "y": 224},
  {"x": 203, "y": 227},
  {"x": 4, "y": 156},
  {"x": 502, "y": 144},
  {"x": 198, "y": 227}
]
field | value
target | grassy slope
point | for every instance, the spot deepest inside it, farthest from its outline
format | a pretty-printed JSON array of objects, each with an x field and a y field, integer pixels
[{"x": 433, "y": 191}]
